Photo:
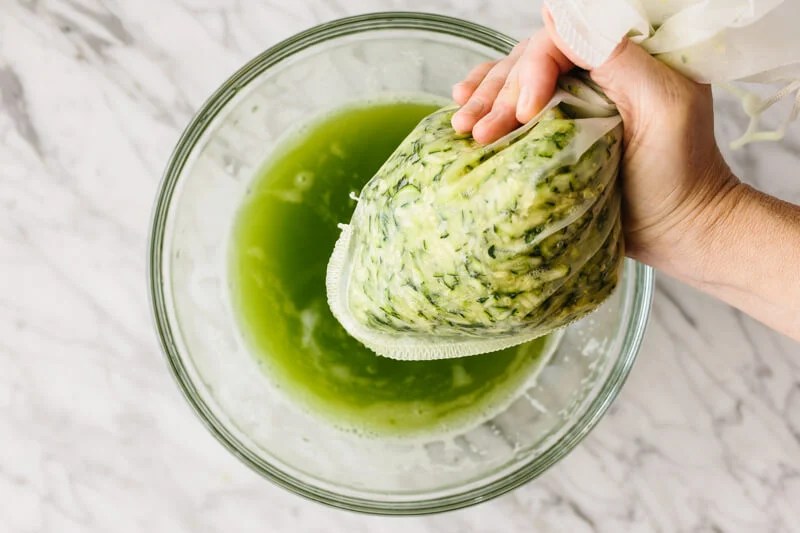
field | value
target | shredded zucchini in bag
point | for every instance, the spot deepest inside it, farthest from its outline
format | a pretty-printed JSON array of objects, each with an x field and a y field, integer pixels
[{"x": 458, "y": 249}]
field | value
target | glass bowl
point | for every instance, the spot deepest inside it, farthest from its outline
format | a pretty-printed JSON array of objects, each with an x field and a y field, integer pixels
[{"x": 206, "y": 181}]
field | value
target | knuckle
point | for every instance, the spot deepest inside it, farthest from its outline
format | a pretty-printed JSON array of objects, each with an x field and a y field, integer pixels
[
  {"x": 495, "y": 80},
  {"x": 477, "y": 74},
  {"x": 483, "y": 67},
  {"x": 510, "y": 84},
  {"x": 475, "y": 105},
  {"x": 504, "y": 107}
]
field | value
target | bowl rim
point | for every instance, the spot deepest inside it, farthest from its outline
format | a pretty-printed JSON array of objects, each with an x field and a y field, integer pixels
[{"x": 389, "y": 20}]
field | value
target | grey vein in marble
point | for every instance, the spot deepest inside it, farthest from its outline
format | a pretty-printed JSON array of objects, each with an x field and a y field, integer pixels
[{"x": 705, "y": 436}]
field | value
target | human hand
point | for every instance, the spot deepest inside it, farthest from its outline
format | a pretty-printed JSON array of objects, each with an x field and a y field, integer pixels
[{"x": 675, "y": 182}]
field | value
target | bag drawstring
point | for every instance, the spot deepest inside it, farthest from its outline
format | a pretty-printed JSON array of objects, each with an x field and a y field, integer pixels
[{"x": 755, "y": 107}]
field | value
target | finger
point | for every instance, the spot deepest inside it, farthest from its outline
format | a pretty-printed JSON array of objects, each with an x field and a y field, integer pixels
[
  {"x": 628, "y": 77},
  {"x": 555, "y": 38},
  {"x": 502, "y": 118},
  {"x": 481, "y": 101},
  {"x": 538, "y": 70},
  {"x": 464, "y": 89}
]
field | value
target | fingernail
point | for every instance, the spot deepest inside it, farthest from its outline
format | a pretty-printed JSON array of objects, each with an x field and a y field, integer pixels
[
  {"x": 460, "y": 123},
  {"x": 524, "y": 102},
  {"x": 473, "y": 107}
]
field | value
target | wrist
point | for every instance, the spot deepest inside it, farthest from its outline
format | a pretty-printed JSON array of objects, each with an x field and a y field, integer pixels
[
  {"x": 681, "y": 245},
  {"x": 722, "y": 229}
]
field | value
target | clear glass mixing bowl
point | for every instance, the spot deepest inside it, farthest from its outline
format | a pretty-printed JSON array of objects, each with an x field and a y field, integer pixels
[{"x": 204, "y": 184}]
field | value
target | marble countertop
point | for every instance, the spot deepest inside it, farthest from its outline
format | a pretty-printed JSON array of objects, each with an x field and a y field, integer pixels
[{"x": 94, "y": 435}]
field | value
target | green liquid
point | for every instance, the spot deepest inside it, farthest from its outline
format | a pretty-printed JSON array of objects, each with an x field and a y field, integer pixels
[{"x": 283, "y": 237}]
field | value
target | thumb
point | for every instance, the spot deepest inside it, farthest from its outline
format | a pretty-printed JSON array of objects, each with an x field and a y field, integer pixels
[{"x": 632, "y": 78}]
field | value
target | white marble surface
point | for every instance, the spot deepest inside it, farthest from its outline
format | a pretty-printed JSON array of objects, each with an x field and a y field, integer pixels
[{"x": 94, "y": 435}]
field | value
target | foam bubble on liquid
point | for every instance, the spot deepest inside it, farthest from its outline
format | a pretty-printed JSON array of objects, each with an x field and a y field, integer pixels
[{"x": 304, "y": 180}]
